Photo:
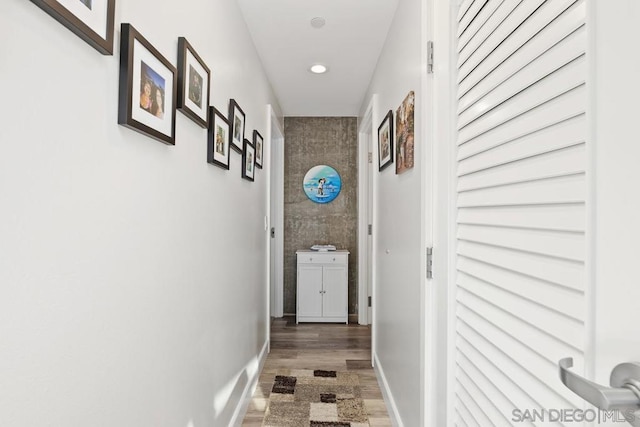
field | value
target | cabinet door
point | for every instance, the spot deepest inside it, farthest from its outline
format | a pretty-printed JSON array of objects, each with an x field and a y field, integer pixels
[
  {"x": 310, "y": 290},
  {"x": 335, "y": 291}
]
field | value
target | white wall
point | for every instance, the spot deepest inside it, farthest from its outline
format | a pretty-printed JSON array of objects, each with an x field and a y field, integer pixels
[
  {"x": 132, "y": 274},
  {"x": 399, "y": 235}
]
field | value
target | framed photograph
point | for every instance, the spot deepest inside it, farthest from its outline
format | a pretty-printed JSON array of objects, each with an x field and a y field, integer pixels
[
  {"x": 218, "y": 139},
  {"x": 148, "y": 88},
  {"x": 193, "y": 84},
  {"x": 385, "y": 141},
  {"x": 248, "y": 160},
  {"x": 236, "y": 120},
  {"x": 258, "y": 144},
  {"x": 91, "y": 20},
  {"x": 404, "y": 134}
]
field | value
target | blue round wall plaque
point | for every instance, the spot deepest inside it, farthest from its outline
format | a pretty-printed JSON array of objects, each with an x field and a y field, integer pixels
[{"x": 322, "y": 184}]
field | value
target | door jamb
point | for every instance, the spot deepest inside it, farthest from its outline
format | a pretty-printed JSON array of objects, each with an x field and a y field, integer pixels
[
  {"x": 365, "y": 136},
  {"x": 275, "y": 135}
]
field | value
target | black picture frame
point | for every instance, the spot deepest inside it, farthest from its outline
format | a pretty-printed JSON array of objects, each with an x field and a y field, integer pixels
[
  {"x": 194, "y": 82},
  {"x": 146, "y": 88},
  {"x": 218, "y": 145},
  {"x": 258, "y": 144},
  {"x": 385, "y": 141},
  {"x": 248, "y": 161},
  {"x": 237, "y": 120},
  {"x": 77, "y": 21}
]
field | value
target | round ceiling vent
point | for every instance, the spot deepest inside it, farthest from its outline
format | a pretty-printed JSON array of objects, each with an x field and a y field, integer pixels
[{"x": 318, "y": 22}]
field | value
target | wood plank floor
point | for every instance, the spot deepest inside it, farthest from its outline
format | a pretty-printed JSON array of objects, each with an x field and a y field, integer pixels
[{"x": 336, "y": 347}]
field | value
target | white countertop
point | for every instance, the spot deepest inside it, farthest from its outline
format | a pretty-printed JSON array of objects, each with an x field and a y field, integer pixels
[{"x": 307, "y": 251}]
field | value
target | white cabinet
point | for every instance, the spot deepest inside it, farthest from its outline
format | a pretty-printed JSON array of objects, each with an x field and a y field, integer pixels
[{"x": 322, "y": 286}]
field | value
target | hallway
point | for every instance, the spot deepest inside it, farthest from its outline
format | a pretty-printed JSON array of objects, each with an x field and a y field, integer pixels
[{"x": 319, "y": 346}]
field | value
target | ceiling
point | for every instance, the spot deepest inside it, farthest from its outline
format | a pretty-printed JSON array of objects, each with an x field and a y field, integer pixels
[{"x": 349, "y": 45}]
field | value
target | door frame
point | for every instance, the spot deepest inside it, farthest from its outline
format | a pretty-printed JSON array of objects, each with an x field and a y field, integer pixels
[
  {"x": 365, "y": 143},
  {"x": 274, "y": 154},
  {"x": 440, "y": 292}
]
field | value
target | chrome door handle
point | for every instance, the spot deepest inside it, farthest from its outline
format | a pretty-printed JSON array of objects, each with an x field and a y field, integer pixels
[{"x": 624, "y": 392}]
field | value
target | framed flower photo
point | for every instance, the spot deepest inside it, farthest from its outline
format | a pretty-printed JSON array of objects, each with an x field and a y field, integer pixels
[
  {"x": 236, "y": 121},
  {"x": 385, "y": 141},
  {"x": 91, "y": 20},
  {"x": 193, "y": 84},
  {"x": 248, "y": 160},
  {"x": 218, "y": 139},
  {"x": 258, "y": 144},
  {"x": 148, "y": 88}
]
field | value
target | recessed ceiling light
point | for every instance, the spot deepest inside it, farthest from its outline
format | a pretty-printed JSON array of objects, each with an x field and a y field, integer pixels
[
  {"x": 318, "y": 22},
  {"x": 318, "y": 69}
]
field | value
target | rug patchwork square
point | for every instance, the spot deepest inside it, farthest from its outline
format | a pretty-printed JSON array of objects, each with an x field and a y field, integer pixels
[{"x": 315, "y": 398}]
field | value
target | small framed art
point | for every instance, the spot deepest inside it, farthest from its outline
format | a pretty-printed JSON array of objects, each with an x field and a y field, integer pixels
[
  {"x": 193, "y": 84},
  {"x": 385, "y": 141},
  {"x": 91, "y": 20},
  {"x": 248, "y": 160},
  {"x": 258, "y": 144},
  {"x": 405, "y": 134},
  {"x": 218, "y": 139},
  {"x": 236, "y": 121},
  {"x": 148, "y": 88}
]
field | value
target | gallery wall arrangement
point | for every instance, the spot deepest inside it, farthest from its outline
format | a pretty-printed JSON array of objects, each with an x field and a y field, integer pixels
[
  {"x": 152, "y": 89},
  {"x": 403, "y": 138}
]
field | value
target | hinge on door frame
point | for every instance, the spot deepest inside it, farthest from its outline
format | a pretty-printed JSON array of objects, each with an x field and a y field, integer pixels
[
  {"x": 369, "y": 301},
  {"x": 370, "y": 229},
  {"x": 429, "y": 263},
  {"x": 429, "y": 57},
  {"x": 370, "y": 157}
]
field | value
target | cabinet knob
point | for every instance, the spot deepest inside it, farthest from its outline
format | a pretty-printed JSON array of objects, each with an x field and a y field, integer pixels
[{"x": 334, "y": 258}]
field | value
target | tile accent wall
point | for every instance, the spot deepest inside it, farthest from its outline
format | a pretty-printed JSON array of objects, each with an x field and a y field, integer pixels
[{"x": 311, "y": 141}]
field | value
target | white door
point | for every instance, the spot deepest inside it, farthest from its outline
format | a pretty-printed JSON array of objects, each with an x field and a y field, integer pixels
[
  {"x": 546, "y": 211},
  {"x": 521, "y": 229}
]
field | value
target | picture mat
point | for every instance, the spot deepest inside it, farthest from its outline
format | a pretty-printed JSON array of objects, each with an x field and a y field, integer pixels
[
  {"x": 164, "y": 125},
  {"x": 95, "y": 18}
]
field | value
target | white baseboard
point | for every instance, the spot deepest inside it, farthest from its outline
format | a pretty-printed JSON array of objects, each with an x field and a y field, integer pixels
[
  {"x": 247, "y": 394},
  {"x": 394, "y": 415}
]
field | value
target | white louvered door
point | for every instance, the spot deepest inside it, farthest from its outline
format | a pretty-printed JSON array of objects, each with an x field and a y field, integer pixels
[{"x": 520, "y": 301}]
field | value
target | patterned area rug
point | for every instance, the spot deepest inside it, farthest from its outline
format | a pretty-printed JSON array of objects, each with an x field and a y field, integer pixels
[{"x": 306, "y": 398}]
